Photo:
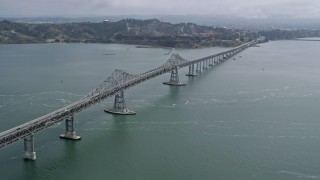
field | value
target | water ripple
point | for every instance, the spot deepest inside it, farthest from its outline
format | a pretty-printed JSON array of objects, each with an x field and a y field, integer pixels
[
  {"x": 300, "y": 175},
  {"x": 259, "y": 136},
  {"x": 41, "y": 93}
]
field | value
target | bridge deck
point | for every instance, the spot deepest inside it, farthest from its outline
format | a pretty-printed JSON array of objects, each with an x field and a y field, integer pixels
[{"x": 19, "y": 132}]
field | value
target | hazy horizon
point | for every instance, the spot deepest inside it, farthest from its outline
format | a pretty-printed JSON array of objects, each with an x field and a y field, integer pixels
[
  {"x": 222, "y": 21},
  {"x": 247, "y": 9},
  {"x": 230, "y": 13}
]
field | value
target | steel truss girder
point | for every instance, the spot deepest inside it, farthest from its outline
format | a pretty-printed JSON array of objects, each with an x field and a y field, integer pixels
[{"x": 116, "y": 83}]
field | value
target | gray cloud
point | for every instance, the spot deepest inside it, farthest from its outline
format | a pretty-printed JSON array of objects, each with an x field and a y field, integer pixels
[{"x": 243, "y": 8}]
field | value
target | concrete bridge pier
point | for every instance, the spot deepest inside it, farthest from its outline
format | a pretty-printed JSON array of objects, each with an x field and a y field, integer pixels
[
  {"x": 119, "y": 106},
  {"x": 198, "y": 67},
  {"x": 191, "y": 71},
  {"x": 70, "y": 132},
  {"x": 174, "y": 79},
  {"x": 29, "y": 153},
  {"x": 219, "y": 59},
  {"x": 204, "y": 64},
  {"x": 211, "y": 62}
]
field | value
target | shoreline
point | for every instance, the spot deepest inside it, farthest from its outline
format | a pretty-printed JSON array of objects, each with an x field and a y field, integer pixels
[{"x": 137, "y": 45}]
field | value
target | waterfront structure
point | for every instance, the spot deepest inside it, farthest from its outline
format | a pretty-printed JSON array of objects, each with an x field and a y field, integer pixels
[{"x": 114, "y": 85}]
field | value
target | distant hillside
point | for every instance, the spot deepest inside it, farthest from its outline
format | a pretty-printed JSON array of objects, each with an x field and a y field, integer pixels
[
  {"x": 130, "y": 31},
  {"x": 282, "y": 34}
]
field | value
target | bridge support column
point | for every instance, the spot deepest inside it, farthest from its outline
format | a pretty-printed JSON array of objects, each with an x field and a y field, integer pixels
[
  {"x": 191, "y": 70},
  {"x": 204, "y": 64},
  {"x": 174, "y": 79},
  {"x": 198, "y": 67},
  {"x": 119, "y": 106},
  {"x": 211, "y": 62},
  {"x": 70, "y": 133},
  {"x": 29, "y": 153}
]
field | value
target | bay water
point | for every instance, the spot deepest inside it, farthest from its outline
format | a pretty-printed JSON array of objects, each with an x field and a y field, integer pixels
[{"x": 256, "y": 116}]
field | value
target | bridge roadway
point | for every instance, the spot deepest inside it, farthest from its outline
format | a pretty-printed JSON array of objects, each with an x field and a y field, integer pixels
[{"x": 119, "y": 82}]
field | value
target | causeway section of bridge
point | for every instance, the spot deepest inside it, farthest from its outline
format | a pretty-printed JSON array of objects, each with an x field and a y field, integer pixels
[{"x": 114, "y": 85}]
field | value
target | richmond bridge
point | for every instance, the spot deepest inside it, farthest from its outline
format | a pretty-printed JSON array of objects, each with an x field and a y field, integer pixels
[{"x": 114, "y": 85}]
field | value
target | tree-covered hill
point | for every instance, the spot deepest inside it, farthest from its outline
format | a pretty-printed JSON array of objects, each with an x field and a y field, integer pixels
[{"x": 130, "y": 31}]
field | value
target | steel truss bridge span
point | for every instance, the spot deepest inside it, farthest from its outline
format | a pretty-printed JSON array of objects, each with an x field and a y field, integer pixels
[{"x": 114, "y": 85}]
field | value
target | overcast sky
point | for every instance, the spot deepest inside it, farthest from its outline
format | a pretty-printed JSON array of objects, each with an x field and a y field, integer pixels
[{"x": 239, "y": 8}]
